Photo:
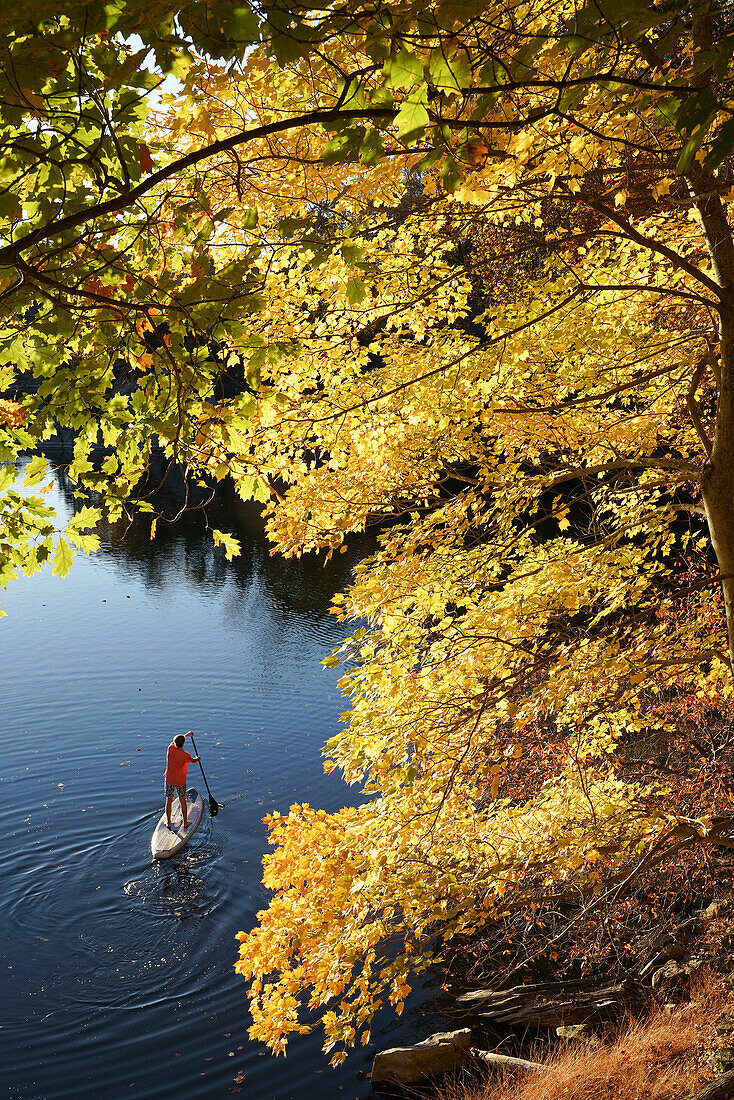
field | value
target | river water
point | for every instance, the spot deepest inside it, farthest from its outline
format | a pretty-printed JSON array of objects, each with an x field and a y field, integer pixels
[{"x": 116, "y": 972}]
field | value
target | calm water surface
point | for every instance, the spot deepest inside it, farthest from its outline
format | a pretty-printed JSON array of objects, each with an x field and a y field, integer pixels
[{"x": 116, "y": 974}]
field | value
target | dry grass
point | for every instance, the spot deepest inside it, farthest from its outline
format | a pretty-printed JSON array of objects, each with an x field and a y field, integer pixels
[{"x": 661, "y": 1057}]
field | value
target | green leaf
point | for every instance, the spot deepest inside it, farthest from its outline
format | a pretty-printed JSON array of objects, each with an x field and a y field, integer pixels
[
  {"x": 343, "y": 146},
  {"x": 63, "y": 558},
  {"x": 450, "y": 174},
  {"x": 84, "y": 519},
  {"x": 86, "y": 543},
  {"x": 356, "y": 291},
  {"x": 7, "y": 475},
  {"x": 412, "y": 117},
  {"x": 402, "y": 70},
  {"x": 576, "y": 45},
  {"x": 122, "y": 73},
  {"x": 179, "y": 63},
  {"x": 725, "y": 49},
  {"x": 352, "y": 91},
  {"x": 337, "y": 149},
  {"x": 721, "y": 146},
  {"x": 10, "y": 207},
  {"x": 290, "y": 225},
  {"x": 242, "y": 24},
  {"x": 690, "y": 149},
  {"x": 35, "y": 471},
  {"x": 698, "y": 110},
  {"x": 372, "y": 148},
  {"x": 382, "y": 97},
  {"x": 524, "y": 58},
  {"x": 450, "y": 75}
]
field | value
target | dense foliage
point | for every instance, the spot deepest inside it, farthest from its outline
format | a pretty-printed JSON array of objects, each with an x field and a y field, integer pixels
[{"x": 463, "y": 269}]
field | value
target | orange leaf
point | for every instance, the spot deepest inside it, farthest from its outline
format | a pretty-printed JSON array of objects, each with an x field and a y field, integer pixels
[
  {"x": 11, "y": 414},
  {"x": 146, "y": 161}
]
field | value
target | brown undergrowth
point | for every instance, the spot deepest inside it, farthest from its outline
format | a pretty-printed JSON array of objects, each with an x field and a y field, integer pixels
[{"x": 663, "y": 1056}]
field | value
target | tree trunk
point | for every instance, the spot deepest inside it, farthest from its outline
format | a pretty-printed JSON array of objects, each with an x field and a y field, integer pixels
[
  {"x": 717, "y": 479},
  {"x": 554, "y": 1003},
  {"x": 720, "y": 1089}
]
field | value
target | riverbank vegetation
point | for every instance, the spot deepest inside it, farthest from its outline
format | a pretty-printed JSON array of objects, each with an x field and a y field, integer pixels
[
  {"x": 466, "y": 273},
  {"x": 666, "y": 1055}
]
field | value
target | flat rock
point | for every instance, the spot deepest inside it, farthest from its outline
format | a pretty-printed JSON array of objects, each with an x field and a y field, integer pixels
[{"x": 440, "y": 1053}]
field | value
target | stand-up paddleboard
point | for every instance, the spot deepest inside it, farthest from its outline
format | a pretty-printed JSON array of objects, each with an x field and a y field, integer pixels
[{"x": 166, "y": 842}]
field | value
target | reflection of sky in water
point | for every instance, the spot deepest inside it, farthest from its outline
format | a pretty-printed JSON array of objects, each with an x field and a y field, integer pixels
[{"x": 117, "y": 973}]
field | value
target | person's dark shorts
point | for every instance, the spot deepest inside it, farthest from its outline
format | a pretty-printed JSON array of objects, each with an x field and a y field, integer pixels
[{"x": 171, "y": 790}]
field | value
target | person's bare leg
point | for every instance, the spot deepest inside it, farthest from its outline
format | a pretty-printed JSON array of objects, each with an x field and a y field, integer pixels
[
  {"x": 169, "y": 803},
  {"x": 184, "y": 814}
]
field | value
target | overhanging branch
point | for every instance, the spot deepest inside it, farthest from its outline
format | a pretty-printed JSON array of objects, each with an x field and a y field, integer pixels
[{"x": 9, "y": 253}]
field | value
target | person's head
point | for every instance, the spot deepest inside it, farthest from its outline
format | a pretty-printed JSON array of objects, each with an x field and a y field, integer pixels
[{"x": 179, "y": 741}]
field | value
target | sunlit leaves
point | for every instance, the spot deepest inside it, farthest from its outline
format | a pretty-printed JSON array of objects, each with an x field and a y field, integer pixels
[
  {"x": 79, "y": 530},
  {"x": 35, "y": 471},
  {"x": 402, "y": 69},
  {"x": 413, "y": 115},
  {"x": 62, "y": 558},
  {"x": 229, "y": 542},
  {"x": 450, "y": 74},
  {"x": 535, "y": 467},
  {"x": 432, "y": 273}
]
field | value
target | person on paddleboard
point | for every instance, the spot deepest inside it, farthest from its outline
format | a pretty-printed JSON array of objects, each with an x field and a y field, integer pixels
[{"x": 177, "y": 760}]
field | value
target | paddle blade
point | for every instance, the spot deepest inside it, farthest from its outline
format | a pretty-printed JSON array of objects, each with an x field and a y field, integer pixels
[{"x": 214, "y": 807}]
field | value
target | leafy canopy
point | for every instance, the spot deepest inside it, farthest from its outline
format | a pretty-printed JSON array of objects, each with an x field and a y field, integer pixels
[{"x": 460, "y": 268}]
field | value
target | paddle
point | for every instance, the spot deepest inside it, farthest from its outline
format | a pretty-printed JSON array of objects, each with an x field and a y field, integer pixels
[{"x": 214, "y": 806}]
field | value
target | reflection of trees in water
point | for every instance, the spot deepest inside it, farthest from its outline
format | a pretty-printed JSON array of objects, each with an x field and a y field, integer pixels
[{"x": 182, "y": 551}]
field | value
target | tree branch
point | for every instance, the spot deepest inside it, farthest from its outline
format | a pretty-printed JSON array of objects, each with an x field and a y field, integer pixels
[
  {"x": 693, "y": 405},
  {"x": 10, "y": 252}
]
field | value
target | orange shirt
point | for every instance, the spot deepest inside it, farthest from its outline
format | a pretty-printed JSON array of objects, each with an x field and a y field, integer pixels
[{"x": 176, "y": 762}]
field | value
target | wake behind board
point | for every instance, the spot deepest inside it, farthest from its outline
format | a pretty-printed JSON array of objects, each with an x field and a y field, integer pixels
[{"x": 166, "y": 842}]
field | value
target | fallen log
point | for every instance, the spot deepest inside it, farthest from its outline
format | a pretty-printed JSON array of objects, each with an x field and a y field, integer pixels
[
  {"x": 478, "y": 997},
  {"x": 720, "y": 1089},
  {"x": 493, "y": 1059},
  {"x": 555, "y": 1003}
]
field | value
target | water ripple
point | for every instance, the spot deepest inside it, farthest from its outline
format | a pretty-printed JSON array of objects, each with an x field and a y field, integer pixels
[{"x": 117, "y": 972}]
